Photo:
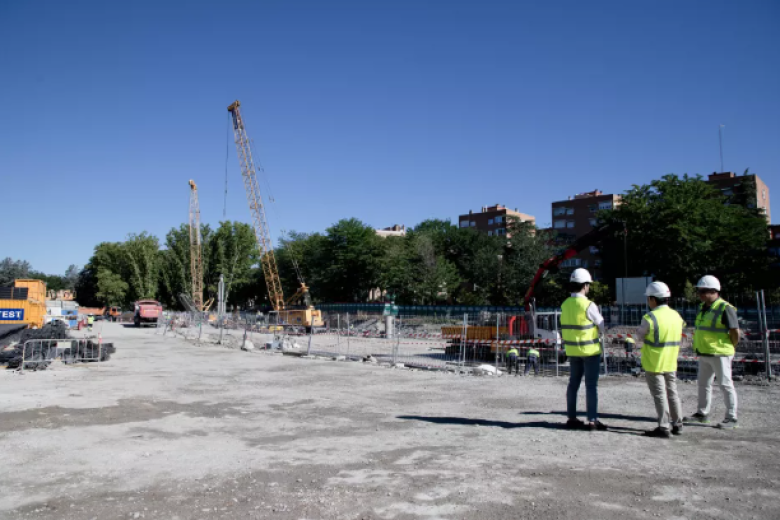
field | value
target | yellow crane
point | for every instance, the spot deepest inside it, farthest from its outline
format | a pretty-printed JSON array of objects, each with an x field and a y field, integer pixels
[
  {"x": 309, "y": 316},
  {"x": 196, "y": 257}
]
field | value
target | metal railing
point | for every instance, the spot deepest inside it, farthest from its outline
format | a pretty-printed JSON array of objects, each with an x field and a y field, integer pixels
[{"x": 39, "y": 353}]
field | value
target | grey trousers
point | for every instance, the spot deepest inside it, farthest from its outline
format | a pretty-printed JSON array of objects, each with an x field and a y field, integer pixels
[
  {"x": 709, "y": 369},
  {"x": 663, "y": 388}
]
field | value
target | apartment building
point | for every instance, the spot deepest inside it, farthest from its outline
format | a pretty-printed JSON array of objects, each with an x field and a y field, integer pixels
[
  {"x": 748, "y": 188},
  {"x": 576, "y": 216},
  {"x": 392, "y": 231},
  {"x": 493, "y": 219}
]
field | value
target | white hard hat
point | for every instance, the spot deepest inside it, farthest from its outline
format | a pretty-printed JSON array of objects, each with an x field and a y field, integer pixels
[
  {"x": 580, "y": 276},
  {"x": 708, "y": 282},
  {"x": 659, "y": 290}
]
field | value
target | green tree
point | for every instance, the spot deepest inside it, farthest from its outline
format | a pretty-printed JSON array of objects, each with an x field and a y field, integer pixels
[
  {"x": 142, "y": 264},
  {"x": 11, "y": 269},
  {"x": 233, "y": 253},
  {"x": 355, "y": 253},
  {"x": 679, "y": 228},
  {"x": 111, "y": 288}
]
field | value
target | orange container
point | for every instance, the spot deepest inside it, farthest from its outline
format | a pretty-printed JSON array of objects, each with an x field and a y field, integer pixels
[
  {"x": 26, "y": 312},
  {"x": 36, "y": 289}
]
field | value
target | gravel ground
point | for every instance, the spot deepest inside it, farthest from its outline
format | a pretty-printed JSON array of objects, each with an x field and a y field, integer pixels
[{"x": 170, "y": 430}]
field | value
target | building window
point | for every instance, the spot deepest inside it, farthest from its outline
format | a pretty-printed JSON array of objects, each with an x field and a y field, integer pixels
[
  {"x": 570, "y": 211},
  {"x": 490, "y": 221},
  {"x": 570, "y": 224},
  {"x": 557, "y": 212},
  {"x": 472, "y": 224},
  {"x": 585, "y": 264},
  {"x": 592, "y": 208},
  {"x": 499, "y": 220},
  {"x": 571, "y": 262},
  {"x": 464, "y": 223},
  {"x": 594, "y": 250},
  {"x": 727, "y": 192},
  {"x": 763, "y": 194},
  {"x": 605, "y": 205},
  {"x": 490, "y": 233},
  {"x": 592, "y": 222},
  {"x": 500, "y": 231},
  {"x": 559, "y": 224}
]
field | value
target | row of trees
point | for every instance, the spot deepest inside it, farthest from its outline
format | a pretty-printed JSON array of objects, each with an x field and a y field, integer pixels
[
  {"x": 11, "y": 270},
  {"x": 675, "y": 229}
]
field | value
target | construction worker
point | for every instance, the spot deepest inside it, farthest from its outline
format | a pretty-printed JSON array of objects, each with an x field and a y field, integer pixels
[
  {"x": 532, "y": 360},
  {"x": 662, "y": 329},
  {"x": 630, "y": 345},
  {"x": 581, "y": 323},
  {"x": 512, "y": 360},
  {"x": 714, "y": 341},
  {"x": 90, "y": 321}
]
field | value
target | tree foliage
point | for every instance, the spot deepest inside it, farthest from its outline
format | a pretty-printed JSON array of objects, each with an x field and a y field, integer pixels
[{"x": 680, "y": 228}]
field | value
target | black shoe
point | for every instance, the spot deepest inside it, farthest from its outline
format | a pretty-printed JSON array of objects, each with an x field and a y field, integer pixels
[
  {"x": 575, "y": 424},
  {"x": 677, "y": 429},
  {"x": 661, "y": 433},
  {"x": 597, "y": 426},
  {"x": 697, "y": 418}
]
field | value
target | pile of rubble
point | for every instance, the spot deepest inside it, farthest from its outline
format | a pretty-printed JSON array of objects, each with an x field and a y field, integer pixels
[{"x": 39, "y": 355}]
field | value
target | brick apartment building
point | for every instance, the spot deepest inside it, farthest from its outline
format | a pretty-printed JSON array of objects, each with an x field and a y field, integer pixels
[
  {"x": 492, "y": 219},
  {"x": 740, "y": 187},
  {"x": 576, "y": 216}
]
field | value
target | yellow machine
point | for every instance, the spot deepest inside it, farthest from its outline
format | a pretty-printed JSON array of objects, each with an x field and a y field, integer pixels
[
  {"x": 307, "y": 316},
  {"x": 20, "y": 310}
]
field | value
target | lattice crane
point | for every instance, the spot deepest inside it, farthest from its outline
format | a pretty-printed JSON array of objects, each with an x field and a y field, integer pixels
[
  {"x": 196, "y": 257},
  {"x": 255, "y": 199}
]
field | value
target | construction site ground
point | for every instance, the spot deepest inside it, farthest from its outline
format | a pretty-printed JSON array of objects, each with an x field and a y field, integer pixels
[{"x": 171, "y": 430}]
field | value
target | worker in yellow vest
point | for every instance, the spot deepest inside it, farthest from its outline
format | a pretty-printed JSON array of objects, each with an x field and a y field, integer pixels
[
  {"x": 532, "y": 359},
  {"x": 90, "y": 321},
  {"x": 662, "y": 329},
  {"x": 581, "y": 323},
  {"x": 714, "y": 341},
  {"x": 512, "y": 361}
]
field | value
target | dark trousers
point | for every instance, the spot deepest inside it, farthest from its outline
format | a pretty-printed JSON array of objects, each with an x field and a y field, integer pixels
[
  {"x": 589, "y": 367},
  {"x": 512, "y": 361},
  {"x": 532, "y": 361}
]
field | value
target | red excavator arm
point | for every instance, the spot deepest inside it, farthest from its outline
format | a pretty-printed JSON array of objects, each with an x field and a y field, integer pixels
[{"x": 573, "y": 250}]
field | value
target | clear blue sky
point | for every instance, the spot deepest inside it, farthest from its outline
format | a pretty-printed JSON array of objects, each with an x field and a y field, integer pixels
[{"x": 389, "y": 111}]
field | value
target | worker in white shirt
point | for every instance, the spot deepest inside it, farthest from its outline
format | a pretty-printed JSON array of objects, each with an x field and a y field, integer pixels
[{"x": 581, "y": 323}]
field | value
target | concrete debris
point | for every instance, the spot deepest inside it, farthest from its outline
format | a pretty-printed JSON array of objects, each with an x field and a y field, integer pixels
[
  {"x": 248, "y": 346},
  {"x": 486, "y": 370}
]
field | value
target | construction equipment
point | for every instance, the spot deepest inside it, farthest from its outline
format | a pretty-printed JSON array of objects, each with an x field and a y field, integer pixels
[
  {"x": 308, "y": 316},
  {"x": 196, "y": 258},
  {"x": 23, "y": 305},
  {"x": 147, "y": 312}
]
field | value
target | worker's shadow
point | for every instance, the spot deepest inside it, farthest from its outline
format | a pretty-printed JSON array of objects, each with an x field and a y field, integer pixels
[
  {"x": 465, "y": 421},
  {"x": 605, "y": 416}
]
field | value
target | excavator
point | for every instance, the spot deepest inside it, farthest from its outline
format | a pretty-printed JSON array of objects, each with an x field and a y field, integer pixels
[{"x": 296, "y": 311}]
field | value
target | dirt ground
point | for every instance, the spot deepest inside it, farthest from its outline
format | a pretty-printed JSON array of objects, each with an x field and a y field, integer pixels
[{"x": 169, "y": 430}]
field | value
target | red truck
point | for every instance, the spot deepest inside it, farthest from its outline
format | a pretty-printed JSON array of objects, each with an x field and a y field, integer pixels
[{"x": 147, "y": 312}]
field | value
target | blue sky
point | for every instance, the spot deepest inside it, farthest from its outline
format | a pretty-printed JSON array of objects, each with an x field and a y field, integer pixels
[{"x": 389, "y": 111}]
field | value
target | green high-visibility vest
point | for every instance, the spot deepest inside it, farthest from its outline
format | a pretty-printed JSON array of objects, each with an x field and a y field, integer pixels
[
  {"x": 511, "y": 352},
  {"x": 533, "y": 352},
  {"x": 712, "y": 336},
  {"x": 90, "y": 320},
  {"x": 630, "y": 340},
  {"x": 662, "y": 342},
  {"x": 580, "y": 335}
]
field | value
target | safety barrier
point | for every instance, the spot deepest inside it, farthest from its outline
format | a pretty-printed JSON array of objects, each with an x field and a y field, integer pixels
[{"x": 39, "y": 353}]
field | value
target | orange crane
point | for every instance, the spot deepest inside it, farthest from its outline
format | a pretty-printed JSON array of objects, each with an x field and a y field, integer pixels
[
  {"x": 196, "y": 258},
  {"x": 308, "y": 317}
]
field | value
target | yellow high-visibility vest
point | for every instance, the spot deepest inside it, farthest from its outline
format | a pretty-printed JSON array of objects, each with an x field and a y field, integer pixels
[
  {"x": 512, "y": 352},
  {"x": 662, "y": 342},
  {"x": 533, "y": 352},
  {"x": 712, "y": 336},
  {"x": 580, "y": 335}
]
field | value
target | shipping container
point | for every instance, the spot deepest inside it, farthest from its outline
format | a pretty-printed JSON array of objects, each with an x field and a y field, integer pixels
[
  {"x": 20, "y": 311},
  {"x": 36, "y": 288}
]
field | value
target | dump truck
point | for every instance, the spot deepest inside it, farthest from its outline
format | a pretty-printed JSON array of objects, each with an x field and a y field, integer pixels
[{"x": 147, "y": 312}]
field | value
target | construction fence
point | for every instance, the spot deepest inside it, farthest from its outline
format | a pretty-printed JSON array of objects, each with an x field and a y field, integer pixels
[{"x": 476, "y": 342}]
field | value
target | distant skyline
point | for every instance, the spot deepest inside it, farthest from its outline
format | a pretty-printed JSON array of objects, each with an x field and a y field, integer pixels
[{"x": 391, "y": 112}]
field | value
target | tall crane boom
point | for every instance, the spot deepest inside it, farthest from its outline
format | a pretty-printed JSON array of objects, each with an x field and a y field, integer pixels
[
  {"x": 196, "y": 257},
  {"x": 248, "y": 172}
]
